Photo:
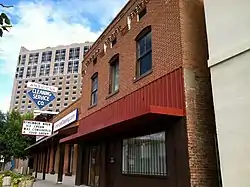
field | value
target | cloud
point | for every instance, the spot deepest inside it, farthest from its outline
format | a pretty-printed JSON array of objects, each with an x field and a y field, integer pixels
[
  {"x": 42, "y": 23},
  {"x": 5, "y": 102},
  {"x": 50, "y": 23}
]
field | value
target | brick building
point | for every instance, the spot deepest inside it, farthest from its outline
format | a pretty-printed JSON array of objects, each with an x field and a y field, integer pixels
[
  {"x": 53, "y": 161},
  {"x": 147, "y": 113}
]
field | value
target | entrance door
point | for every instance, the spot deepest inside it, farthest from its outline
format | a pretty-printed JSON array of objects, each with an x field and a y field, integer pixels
[
  {"x": 94, "y": 166},
  {"x": 110, "y": 164}
]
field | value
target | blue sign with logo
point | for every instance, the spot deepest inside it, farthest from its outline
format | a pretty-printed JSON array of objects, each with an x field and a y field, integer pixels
[{"x": 41, "y": 97}]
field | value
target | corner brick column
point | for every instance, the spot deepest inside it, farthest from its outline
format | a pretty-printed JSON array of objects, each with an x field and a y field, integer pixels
[{"x": 200, "y": 120}]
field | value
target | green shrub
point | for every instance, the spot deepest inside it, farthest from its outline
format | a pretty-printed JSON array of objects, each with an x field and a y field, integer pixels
[{"x": 16, "y": 178}]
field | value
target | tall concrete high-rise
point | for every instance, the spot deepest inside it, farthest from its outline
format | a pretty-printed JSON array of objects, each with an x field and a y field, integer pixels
[{"x": 58, "y": 66}]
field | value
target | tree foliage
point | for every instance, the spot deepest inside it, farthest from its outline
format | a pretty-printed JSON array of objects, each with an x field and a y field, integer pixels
[
  {"x": 5, "y": 23},
  {"x": 12, "y": 142}
]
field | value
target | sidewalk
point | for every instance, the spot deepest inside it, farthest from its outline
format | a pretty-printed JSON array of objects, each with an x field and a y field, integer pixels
[{"x": 44, "y": 183}]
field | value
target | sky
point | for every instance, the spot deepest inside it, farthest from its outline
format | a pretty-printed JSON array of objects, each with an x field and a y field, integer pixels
[{"x": 42, "y": 23}]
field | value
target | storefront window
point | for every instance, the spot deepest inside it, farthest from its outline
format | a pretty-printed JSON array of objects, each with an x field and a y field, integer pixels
[{"x": 145, "y": 155}]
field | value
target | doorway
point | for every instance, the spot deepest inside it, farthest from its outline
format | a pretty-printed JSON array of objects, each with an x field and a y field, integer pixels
[
  {"x": 110, "y": 164},
  {"x": 94, "y": 166}
]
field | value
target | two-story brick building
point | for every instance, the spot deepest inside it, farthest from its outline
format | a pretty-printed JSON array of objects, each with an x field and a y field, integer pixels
[{"x": 147, "y": 112}]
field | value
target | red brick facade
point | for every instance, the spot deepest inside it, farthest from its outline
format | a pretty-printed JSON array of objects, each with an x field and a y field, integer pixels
[
  {"x": 198, "y": 93},
  {"x": 178, "y": 41},
  {"x": 166, "y": 51}
]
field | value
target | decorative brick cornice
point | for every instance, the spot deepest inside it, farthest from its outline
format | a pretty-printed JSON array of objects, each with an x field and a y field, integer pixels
[
  {"x": 113, "y": 35},
  {"x": 119, "y": 30},
  {"x": 138, "y": 8}
]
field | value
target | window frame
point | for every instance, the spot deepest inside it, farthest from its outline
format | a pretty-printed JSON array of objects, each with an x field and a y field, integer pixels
[
  {"x": 73, "y": 67},
  {"x": 44, "y": 70},
  {"x": 74, "y": 53},
  {"x": 58, "y": 68},
  {"x": 139, "y": 57},
  {"x": 46, "y": 57},
  {"x": 60, "y": 55},
  {"x": 114, "y": 68},
  {"x": 94, "y": 91},
  {"x": 125, "y": 170}
]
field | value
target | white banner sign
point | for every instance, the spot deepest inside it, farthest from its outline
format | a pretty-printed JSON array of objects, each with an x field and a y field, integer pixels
[
  {"x": 42, "y": 86},
  {"x": 37, "y": 128},
  {"x": 66, "y": 120},
  {"x": 39, "y": 138}
]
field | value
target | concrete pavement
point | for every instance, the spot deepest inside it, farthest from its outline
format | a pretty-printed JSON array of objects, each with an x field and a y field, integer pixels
[{"x": 44, "y": 183}]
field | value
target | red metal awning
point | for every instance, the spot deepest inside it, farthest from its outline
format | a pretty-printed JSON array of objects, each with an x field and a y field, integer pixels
[
  {"x": 151, "y": 110},
  {"x": 165, "y": 96}
]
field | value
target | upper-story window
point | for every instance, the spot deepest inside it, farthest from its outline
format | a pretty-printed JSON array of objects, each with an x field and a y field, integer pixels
[
  {"x": 58, "y": 68},
  {"x": 73, "y": 66},
  {"x": 31, "y": 71},
  {"x": 19, "y": 72},
  {"x": 114, "y": 74},
  {"x": 60, "y": 55},
  {"x": 144, "y": 52},
  {"x": 94, "y": 89},
  {"x": 33, "y": 58},
  {"x": 44, "y": 70},
  {"x": 21, "y": 59},
  {"x": 46, "y": 56},
  {"x": 74, "y": 53}
]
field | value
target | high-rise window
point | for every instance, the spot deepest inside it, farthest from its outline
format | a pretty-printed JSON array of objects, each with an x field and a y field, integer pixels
[
  {"x": 33, "y": 58},
  {"x": 144, "y": 52},
  {"x": 21, "y": 59},
  {"x": 46, "y": 56},
  {"x": 60, "y": 55},
  {"x": 58, "y": 68},
  {"x": 73, "y": 66},
  {"x": 31, "y": 71},
  {"x": 85, "y": 49},
  {"x": 114, "y": 74},
  {"x": 44, "y": 70},
  {"x": 94, "y": 89},
  {"x": 145, "y": 155},
  {"x": 19, "y": 72},
  {"x": 74, "y": 53}
]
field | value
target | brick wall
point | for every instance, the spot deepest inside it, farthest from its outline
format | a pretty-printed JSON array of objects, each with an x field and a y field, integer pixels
[
  {"x": 199, "y": 103},
  {"x": 163, "y": 16}
]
